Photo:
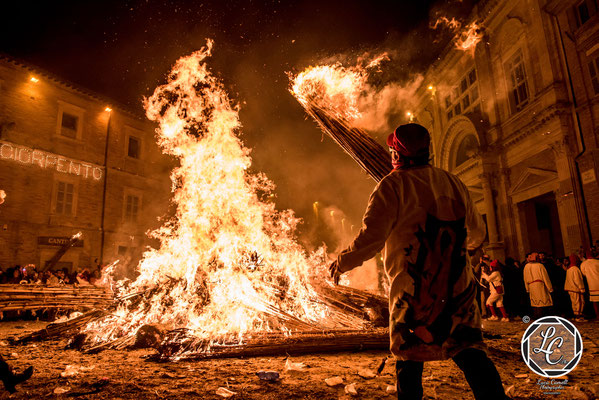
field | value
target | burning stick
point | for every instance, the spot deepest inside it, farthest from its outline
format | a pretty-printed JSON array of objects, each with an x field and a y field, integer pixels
[{"x": 65, "y": 247}]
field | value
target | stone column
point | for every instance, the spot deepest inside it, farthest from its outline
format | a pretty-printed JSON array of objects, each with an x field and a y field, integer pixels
[
  {"x": 570, "y": 217},
  {"x": 510, "y": 220},
  {"x": 495, "y": 247}
]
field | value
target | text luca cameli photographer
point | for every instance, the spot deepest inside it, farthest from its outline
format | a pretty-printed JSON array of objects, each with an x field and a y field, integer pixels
[{"x": 551, "y": 347}]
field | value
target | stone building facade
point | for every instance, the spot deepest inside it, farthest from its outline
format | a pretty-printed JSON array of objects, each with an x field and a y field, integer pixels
[
  {"x": 72, "y": 161},
  {"x": 516, "y": 119}
]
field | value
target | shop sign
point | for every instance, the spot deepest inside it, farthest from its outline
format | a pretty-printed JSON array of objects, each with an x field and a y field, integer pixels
[
  {"x": 45, "y": 160},
  {"x": 588, "y": 176},
  {"x": 57, "y": 241}
]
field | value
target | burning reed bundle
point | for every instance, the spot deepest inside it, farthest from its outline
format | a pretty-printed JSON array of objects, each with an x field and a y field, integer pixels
[
  {"x": 331, "y": 95},
  {"x": 370, "y": 155},
  {"x": 360, "y": 303},
  {"x": 38, "y": 297}
]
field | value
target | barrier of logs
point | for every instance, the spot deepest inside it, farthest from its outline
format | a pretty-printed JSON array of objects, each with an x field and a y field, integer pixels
[{"x": 41, "y": 297}]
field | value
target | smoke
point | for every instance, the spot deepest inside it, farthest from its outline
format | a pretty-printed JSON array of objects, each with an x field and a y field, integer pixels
[
  {"x": 340, "y": 235},
  {"x": 382, "y": 108}
]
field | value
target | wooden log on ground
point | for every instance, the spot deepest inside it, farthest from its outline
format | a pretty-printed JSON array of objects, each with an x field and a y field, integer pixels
[
  {"x": 298, "y": 343},
  {"x": 62, "y": 329}
]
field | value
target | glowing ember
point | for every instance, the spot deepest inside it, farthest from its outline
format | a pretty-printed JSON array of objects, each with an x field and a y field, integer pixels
[
  {"x": 464, "y": 40},
  {"x": 468, "y": 39},
  {"x": 452, "y": 24},
  {"x": 228, "y": 263},
  {"x": 376, "y": 62}
]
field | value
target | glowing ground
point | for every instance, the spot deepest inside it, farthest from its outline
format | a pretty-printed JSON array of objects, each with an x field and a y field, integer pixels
[{"x": 127, "y": 375}]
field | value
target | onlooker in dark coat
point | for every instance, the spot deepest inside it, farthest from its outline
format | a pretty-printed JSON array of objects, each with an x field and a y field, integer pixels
[
  {"x": 16, "y": 275},
  {"x": 557, "y": 275},
  {"x": 482, "y": 290},
  {"x": 516, "y": 302}
]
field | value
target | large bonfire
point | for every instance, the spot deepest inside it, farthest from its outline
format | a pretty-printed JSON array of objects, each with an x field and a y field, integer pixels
[{"x": 228, "y": 264}]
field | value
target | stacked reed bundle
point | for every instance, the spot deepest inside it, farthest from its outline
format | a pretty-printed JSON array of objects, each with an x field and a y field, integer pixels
[{"x": 38, "y": 297}]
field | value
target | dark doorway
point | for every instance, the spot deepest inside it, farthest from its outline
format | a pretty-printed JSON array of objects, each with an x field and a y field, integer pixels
[{"x": 541, "y": 227}]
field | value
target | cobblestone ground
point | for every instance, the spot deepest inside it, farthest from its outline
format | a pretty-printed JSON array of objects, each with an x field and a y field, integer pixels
[{"x": 127, "y": 375}]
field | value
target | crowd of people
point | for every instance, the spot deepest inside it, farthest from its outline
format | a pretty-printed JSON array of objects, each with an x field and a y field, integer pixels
[
  {"x": 540, "y": 285},
  {"x": 29, "y": 274}
]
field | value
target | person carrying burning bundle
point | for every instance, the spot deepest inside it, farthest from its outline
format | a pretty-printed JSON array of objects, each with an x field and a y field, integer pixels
[{"x": 425, "y": 220}]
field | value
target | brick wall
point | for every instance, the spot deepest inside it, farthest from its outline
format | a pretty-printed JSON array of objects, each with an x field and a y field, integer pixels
[{"x": 29, "y": 119}]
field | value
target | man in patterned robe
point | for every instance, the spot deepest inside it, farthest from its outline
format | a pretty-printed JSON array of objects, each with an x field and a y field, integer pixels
[{"x": 424, "y": 219}]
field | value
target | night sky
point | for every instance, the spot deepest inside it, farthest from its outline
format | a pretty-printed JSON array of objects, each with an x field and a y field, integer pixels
[{"x": 123, "y": 49}]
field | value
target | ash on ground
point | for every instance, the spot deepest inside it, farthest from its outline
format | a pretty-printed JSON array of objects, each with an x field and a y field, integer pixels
[{"x": 128, "y": 375}]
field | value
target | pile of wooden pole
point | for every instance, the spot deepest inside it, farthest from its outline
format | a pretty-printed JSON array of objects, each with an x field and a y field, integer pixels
[
  {"x": 370, "y": 155},
  {"x": 40, "y": 297},
  {"x": 347, "y": 306}
]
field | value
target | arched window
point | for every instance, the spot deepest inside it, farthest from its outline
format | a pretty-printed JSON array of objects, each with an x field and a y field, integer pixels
[{"x": 466, "y": 149}]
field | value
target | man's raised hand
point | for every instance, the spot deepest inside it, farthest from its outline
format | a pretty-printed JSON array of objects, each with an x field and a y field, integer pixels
[{"x": 335, "y": 271}]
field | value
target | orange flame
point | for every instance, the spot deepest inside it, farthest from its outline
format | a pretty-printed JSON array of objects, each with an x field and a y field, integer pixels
[
  {"x": 334, "y": 88},
  {"x": 469, "y": 38},
  {"x": 229, "y": 260},
  {"x": 464, "y": 40},
  {"x": 452, "y": 24}
]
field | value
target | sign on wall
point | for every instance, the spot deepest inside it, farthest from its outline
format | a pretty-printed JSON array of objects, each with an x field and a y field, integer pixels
[
  {"x": 588, "y": 176},
  {"x": 57, "y": 241},
  {"x": 46, "y": 160}
]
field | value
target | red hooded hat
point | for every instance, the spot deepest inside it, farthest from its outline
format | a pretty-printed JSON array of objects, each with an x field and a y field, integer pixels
[
  {"x": 574, "y": 260},
  {"x": 410, "y": 140}
]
